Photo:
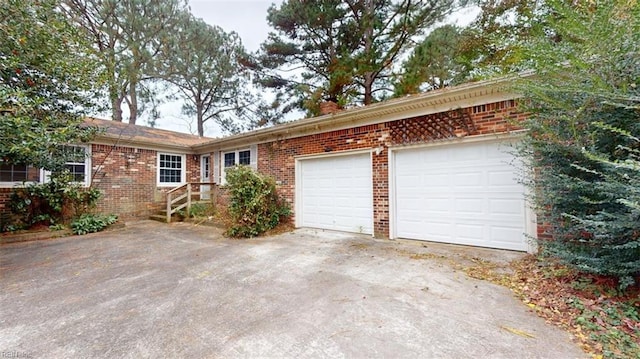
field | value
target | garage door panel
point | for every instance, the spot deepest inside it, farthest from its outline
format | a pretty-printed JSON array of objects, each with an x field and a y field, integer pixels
[
  {"x": 464, "y": 193},
  {"x": 468, "y": 179},
  {"x": 512, "y": 207},
  {"x": 470, "y": 206},
  {"x": 336, "y": 193},
  {"x": 469, "y": 232}
]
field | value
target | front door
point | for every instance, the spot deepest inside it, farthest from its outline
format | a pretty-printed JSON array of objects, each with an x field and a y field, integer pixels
[{"x": 205, "y": 175}]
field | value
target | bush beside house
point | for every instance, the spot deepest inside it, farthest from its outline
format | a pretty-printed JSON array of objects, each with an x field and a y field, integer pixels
[{"x": 254, "y": 204}]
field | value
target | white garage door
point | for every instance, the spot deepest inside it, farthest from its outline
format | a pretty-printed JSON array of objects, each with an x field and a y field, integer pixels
[
  {"x": 461, "y": 193},
  {"x": 335, "y": 193}
]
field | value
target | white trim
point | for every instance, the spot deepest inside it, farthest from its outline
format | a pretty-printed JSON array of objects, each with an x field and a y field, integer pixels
[
  {"x": 297, "y": 209},
  {"x": 334, "y": 154},
  {"x": 183, "y": 170},
  {"x": 391, "y": 170},
  {"x": 530, "y": 224}
]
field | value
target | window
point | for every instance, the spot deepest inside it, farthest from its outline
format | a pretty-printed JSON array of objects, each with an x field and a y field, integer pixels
[
  {"x": 171, "y": 169},
  {"x": 77, "y": 164},
  {"x": 230, "y": 159},
  {"x": 244, "y": 157},
  {"x": 13, "y": 173}
]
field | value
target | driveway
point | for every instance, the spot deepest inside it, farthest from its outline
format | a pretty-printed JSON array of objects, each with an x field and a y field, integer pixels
[{"x": 154, "y": 290}]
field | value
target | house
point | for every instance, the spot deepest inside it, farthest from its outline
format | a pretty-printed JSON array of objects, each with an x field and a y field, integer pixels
[{"x": 435, "y": 166}]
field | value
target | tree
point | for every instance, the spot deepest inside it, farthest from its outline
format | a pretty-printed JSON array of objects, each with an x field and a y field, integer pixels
[
  {"x": 46, "y": 83},
  {"x": 127, "y": 36},
  {"x": 494, "y": 42},
  {"x": 203, "y": 62},
  {"x": 340, "y": 50},
  {"x": 584, "y": 130},
  {"x": 434, "y": 63}
]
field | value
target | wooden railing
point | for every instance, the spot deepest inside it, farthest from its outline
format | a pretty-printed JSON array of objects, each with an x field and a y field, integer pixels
[{"x": 176, "y": 201}]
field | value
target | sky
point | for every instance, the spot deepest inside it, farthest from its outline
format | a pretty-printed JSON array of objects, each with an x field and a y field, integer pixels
[{"x": 248, "y": 19}]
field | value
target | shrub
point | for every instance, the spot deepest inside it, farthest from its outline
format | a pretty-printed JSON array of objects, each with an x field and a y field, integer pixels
[
  {"x": 254, "y": 205},
  {"x": 53, "y": 202},
  {"x": 201, "y": 210},
  {"x": 89, "y": 223},
  {"x": 584, "y": 138}
]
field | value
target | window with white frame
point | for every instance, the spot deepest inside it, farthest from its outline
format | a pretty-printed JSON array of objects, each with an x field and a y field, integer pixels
[
  {"x": 171, "y": 169},
  {"x": 232, "y": 158},
  {"x": 78, "y": 164}
]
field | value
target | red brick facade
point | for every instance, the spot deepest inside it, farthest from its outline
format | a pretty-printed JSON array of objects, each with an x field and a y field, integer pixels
[
  {"x": 277, "y": 158},
  {"x": 127, "y": 178}
]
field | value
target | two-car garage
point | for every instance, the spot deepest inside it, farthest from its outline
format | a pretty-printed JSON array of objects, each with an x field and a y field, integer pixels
[{"x": 462, "y": 193}]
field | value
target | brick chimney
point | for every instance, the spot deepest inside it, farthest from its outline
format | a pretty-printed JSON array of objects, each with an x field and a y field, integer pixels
[{"x": 328, "y": 107}]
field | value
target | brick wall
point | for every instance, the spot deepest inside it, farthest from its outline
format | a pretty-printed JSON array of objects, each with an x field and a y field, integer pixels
[
  {"x": 127, "y": 178},
  {"x": 5, "y": 194},
  {"x": 277, "y": 158}
]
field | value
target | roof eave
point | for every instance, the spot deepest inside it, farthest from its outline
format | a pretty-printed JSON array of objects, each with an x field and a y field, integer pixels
[
  {"x": 114, "y": 140},
  {"x": 383, "y": 111}
]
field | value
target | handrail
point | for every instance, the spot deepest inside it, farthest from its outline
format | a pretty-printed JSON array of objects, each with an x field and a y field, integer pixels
[
  {"x": 187, "y": 195},
  {"x": 177, "y": 188}
]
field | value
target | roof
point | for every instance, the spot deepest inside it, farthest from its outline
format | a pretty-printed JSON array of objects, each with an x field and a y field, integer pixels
[
  {"x": 127, "y": 134},
  {"x": 448, "y": 98}
]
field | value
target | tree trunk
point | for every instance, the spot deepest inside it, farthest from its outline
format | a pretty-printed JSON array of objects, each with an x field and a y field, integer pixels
[
  {"x": 368, "y": 50},
  {"x": 133, "y": 103},
  {"x": 116, "y": 108},
  {"x": 114, "y": 96},
  {"x": 200, "y": 114},
  {"x": 368, "y": 88}
]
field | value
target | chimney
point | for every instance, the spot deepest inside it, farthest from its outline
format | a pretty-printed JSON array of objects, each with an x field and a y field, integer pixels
[{"x": 328, "y": 107}]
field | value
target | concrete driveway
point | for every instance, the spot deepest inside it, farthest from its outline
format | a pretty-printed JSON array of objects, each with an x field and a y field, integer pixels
[{"x": 156, "y": 290}]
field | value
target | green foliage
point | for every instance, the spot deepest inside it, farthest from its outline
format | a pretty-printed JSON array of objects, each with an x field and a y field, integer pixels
[
  {"x": 345, "y": 49},
  {"x": 606, "y": 325},
  {"x": 89, "y": 223},
  {"x": 201, "y": 210},
  {"x": 53, "y": 202},
  {"x": 46, "y": 81},
  {"x": 254, "y": 204},
  {"x": 434, "y": 63},
  {"x": 583, "y": 140},
  {"x": 495, "y": 42}
]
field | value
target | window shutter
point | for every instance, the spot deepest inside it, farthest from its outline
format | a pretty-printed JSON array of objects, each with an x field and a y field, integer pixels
[
  {"x": 216, "y": 167},
  {"x": 254, "y": 157}
]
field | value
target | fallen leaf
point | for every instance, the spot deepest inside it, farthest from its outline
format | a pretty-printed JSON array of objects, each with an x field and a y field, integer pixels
[{"x": 517, "y": 332}]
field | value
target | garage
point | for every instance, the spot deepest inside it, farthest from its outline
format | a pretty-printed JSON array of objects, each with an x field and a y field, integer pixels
[
  {"x": 335, "y": 192},
  {"x": 463, "y": 193}
]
